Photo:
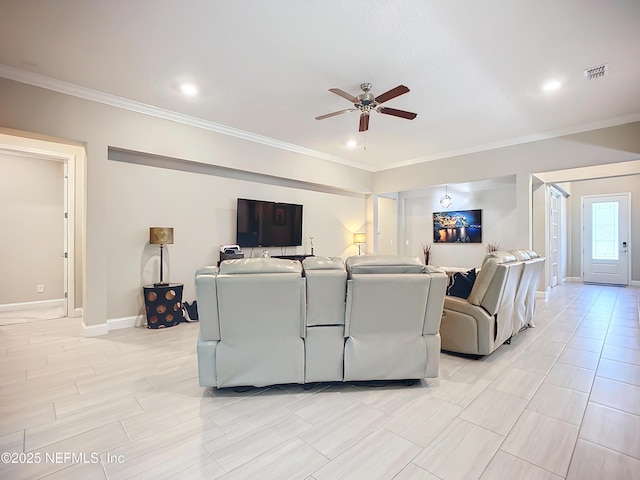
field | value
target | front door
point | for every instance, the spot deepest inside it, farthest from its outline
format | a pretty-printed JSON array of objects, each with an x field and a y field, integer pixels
[{"x": 605, "y": 239}]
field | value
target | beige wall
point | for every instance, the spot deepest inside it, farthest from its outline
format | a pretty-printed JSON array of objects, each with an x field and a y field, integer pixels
[
  {"x": 498, "y": 223},
  {"x": 202, "y": 211},
  {"x": 605, "y": 186},
  {"x": 31, "y": 245},
  {"x": 109, "y": 198}
]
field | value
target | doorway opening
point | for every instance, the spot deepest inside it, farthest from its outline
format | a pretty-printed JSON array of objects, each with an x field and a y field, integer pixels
[{"x": 40, "y": 253}]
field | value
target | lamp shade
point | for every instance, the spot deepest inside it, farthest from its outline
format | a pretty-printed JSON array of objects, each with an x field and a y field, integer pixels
[
  {"x": 161, "y": 235},
  {"x": 359, "y": 238}
]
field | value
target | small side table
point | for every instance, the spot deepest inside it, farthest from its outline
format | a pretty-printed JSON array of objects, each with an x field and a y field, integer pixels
[{"x": 163, "y": 303}]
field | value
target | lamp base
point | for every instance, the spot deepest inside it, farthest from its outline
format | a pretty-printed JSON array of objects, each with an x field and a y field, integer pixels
[{"x": 160, "y": 284}]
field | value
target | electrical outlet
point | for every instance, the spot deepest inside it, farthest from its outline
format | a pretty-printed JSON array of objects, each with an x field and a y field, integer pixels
[{"x": 40, "y": 289}]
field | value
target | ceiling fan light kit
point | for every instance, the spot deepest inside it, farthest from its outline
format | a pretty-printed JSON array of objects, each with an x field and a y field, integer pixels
[{"x": 365, "y": 103}]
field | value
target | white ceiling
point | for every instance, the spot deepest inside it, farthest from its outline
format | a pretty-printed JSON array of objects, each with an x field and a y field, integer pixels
[{"x": 475, "y": 69}]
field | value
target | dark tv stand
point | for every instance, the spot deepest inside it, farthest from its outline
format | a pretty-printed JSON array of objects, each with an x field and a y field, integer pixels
[{"x": 292, "y": 257}]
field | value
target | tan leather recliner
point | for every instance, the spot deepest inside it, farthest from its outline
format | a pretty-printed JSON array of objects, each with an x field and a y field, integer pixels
[{"x": 482, "y": 322}]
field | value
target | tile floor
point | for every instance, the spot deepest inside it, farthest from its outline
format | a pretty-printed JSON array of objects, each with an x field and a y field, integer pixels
[{"x": 561, "y": 401}]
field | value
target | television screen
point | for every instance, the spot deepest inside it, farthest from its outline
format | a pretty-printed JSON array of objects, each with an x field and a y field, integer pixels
[{"x": 268, "y": 224}]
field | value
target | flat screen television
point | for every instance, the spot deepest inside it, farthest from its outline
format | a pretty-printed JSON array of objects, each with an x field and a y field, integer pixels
[{"x": 268, "y": 224}]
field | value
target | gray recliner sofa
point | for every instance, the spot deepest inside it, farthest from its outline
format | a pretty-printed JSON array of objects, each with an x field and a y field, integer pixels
[{"x": 274, "y": 321}]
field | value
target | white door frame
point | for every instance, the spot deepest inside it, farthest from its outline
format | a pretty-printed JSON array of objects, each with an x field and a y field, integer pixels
[
  {"x": 70, "y": 202},
  {"x": 554, "y": 193},
  {"x": 627, "y": 235}
]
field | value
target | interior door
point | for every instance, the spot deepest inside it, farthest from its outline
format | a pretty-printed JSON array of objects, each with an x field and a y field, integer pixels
[
  {"x": 554, "y": 235},
  {"x": 605, "y": 239},
  {"x": 387, "y": 226}
]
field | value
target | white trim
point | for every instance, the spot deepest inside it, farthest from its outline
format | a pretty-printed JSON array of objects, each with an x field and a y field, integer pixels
[
  {"x": 94, "y": 330},
  {"x": 42, "y": 81},
  {"x": 543, "y": 295},
  {"x": 634, "y": 283},
  {"x": 112, "y": 324},
  {"x": 515, "y": 141},
  {"x": 78, "y": 312},
  {"x": 572, "y": 280},
  {"x": 14, "y": 307},
  {"x": 55, "y": 85},
  {"x": 124, "y": 322}
]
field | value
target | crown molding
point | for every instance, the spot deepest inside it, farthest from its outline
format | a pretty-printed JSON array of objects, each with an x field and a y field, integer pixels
[
  {"x": 67, "y": 88},
  {"x": 612, "y": 122}
]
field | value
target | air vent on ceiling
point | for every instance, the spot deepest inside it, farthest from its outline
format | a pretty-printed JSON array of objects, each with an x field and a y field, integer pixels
[{"x": 596, "y": 72}]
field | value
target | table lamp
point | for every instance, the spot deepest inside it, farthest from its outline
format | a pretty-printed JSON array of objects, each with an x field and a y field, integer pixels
[
  {"x": 359, "y": 239},
  {"x": 161, "y": 236}
]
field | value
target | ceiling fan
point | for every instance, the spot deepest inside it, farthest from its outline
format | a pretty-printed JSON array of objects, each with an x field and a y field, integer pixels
[{"x": 366, "y": 103}]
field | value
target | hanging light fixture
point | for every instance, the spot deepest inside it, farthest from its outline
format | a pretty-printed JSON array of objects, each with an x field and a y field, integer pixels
[{"x": 446, "y": 201}]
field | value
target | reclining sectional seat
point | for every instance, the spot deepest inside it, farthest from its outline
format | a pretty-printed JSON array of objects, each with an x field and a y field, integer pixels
[
  {"x": 326, "y": 287},
  {"x": 525, "y": 301},
  {"x": 275, "y": 321},
  {"x": 501, "y": 304},
  {"x": 251, "y": 329},
  {"x": 394, "y": 306},
  {"x": 482, "y": 322}
]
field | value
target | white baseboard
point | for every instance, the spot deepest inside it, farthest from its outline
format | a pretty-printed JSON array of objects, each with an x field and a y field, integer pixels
[
  {"x": 632, "y": 283},
  {"x": 572, "y": 280},
  {"x": 14, "y": 307},
  {"x": 544, "y": 295},
  {"x": 95, "y": 330},
  {"x": 124, "y": 322},
  {"x": 112, "y": 324},
  {"x": 77, "y": 313}
]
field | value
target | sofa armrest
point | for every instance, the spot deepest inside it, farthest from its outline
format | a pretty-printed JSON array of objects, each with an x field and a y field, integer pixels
[
  {"x": 207, "y": 296},
  {"x": 435, "y": 301},
  {"x": 457, "y": 308}
]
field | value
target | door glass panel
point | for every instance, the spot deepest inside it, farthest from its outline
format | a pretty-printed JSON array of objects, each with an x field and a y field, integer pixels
[{"x": 604, "y": 231}]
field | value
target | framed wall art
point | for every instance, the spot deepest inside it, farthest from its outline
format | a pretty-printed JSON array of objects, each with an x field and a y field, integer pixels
[{"x": 460, "y": 226}]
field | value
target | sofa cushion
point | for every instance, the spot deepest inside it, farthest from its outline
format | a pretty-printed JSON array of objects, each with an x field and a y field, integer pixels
[
  {"x": 384, "y": 264},
  {"x": 490, "y": 279},
  {"x": 323, "y": 263},
  {"x": 461, "y": 283},
  {"x": 260, "y": 265}
]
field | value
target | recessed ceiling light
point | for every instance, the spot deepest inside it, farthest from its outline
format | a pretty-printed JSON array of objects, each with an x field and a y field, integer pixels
[
  {"x": 352, "y": 144},
  {"x": 189, "y": 89},
  {"x": 551, "y": 85}
]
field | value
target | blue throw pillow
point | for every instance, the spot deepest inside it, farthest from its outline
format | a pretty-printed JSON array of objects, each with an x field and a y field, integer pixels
[{"x": 460, "y": 284}]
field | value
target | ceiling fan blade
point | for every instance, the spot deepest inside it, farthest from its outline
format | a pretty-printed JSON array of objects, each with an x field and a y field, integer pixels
[
  {"x": 397, "y": 113},
  {"x": 344, "y": 94},
  {"x": 322, "y": 117},
  {"x": 393, "y": 93},
  {"x": 364, "y": 122}
]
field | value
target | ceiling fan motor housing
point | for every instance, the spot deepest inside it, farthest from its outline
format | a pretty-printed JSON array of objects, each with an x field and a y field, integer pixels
[{"x": 366, "y": 101}]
